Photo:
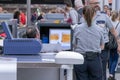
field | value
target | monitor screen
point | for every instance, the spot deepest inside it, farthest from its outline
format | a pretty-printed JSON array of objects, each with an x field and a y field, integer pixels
[
  {"x": 56, "y": 34},
  {"x": 60, "y": 36}
]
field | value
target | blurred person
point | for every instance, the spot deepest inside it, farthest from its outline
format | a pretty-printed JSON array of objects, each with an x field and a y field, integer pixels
[
  {"x": 79, "y": 6},
  {"x": 32, "y": 32},
  {"x": 1, "y": 9},
  {"x": 73, "y": 15},
  {"x": 105, "y": 23},
  {"x": 34, "y": 17},
  {"x": 22, "y": 18},
  {"x": 66, "y": 14},
  {"x": 113, "y": 51},
  {"x": 105, "y": 8},
  {"x": 41, "y": 16},
  {"x": 108, "y": 12},
  {"x": 16, "y": 15},
  {"x": 89, "y": 41}
]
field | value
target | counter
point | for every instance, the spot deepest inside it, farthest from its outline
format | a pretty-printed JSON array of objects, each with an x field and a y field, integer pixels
[{"x": 37, "y": 67}]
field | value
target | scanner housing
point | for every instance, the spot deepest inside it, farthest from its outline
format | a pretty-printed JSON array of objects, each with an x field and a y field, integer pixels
[
  {"x": 19, "y": 45},
  {"x": 69, "y": 57}
]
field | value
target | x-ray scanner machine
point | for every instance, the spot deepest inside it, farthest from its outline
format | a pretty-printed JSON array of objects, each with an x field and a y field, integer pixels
[{"x": 19, "y": 45}]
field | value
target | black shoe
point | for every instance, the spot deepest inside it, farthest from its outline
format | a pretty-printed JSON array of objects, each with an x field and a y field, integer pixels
[{"x": 111, "y": 78}]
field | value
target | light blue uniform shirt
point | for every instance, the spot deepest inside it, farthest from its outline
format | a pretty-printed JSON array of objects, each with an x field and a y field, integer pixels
[
  {"x": 87, "y": 39},
  {"x": 102, "y": 20},
  {"x": 74, "y": 16}
]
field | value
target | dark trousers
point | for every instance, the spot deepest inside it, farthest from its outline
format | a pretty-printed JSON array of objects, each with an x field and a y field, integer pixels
[
  {"x": 90, "y": 70},
  {"x": 113, "y": 61},
  {"x": 104, "y": 57}
]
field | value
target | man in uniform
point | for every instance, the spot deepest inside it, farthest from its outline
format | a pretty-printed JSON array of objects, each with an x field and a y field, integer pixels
[{"x": 104, "y": 22}]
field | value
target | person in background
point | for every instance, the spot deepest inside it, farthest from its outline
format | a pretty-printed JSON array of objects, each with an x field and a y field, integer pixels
[
  {"x": 17, "y": 16},
  {"x": 1, "y": 9},
  {"x": 108, "y": 12},
  {"x": 73, "y": 15},
  {"x": 79, "y": 6},
  {"x": 105, "y": 8},
  {"x": 105, "y": 23},
  {"x": 113, "y": 52},
  {"x": 89, "y": 41},
  {"x": 32, "y": 32},
  {"x": 41, "y": 16},
  {"x": 34, "y": 17},
  {"x": 22, "y": 18},
  {"x": 66, "y": 14}
]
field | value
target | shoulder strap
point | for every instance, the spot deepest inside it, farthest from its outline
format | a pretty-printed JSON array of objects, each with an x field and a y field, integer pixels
[{"x": 117, "y": 25}]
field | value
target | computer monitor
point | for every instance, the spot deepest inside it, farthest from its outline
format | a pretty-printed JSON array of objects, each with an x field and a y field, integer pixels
[
  {"x": 60, "y": 36},
  {"x": 56, "y": 34}
]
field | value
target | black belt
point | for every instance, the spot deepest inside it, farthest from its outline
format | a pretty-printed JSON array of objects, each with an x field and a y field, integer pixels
[
  {"x": 106, "y": 43},
  {"x": 90, "y": 55}
]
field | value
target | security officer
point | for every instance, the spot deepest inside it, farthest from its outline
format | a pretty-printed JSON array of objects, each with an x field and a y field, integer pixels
[
  {"x": 88, "y": 40},
  {"x": 105, "y": 23},
  {"x": 32, "y": 32}
]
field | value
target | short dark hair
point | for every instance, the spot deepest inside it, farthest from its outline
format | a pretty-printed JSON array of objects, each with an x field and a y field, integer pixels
[
  {"x": 97, "y": 8},
  {"x": 31, "y": 32},
  {"x": 68, "y": 4}
]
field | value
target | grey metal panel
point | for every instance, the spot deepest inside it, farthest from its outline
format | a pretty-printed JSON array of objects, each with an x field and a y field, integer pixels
[
  {"x": 34, "y": 61},
  {"x": 38, "y": 74},
  {"x": 33, "y": 67}
]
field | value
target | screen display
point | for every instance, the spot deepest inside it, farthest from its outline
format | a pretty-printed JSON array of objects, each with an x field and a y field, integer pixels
[
  {"x": 60, "y": 36},
  {"x": 51, "y": 33}
]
